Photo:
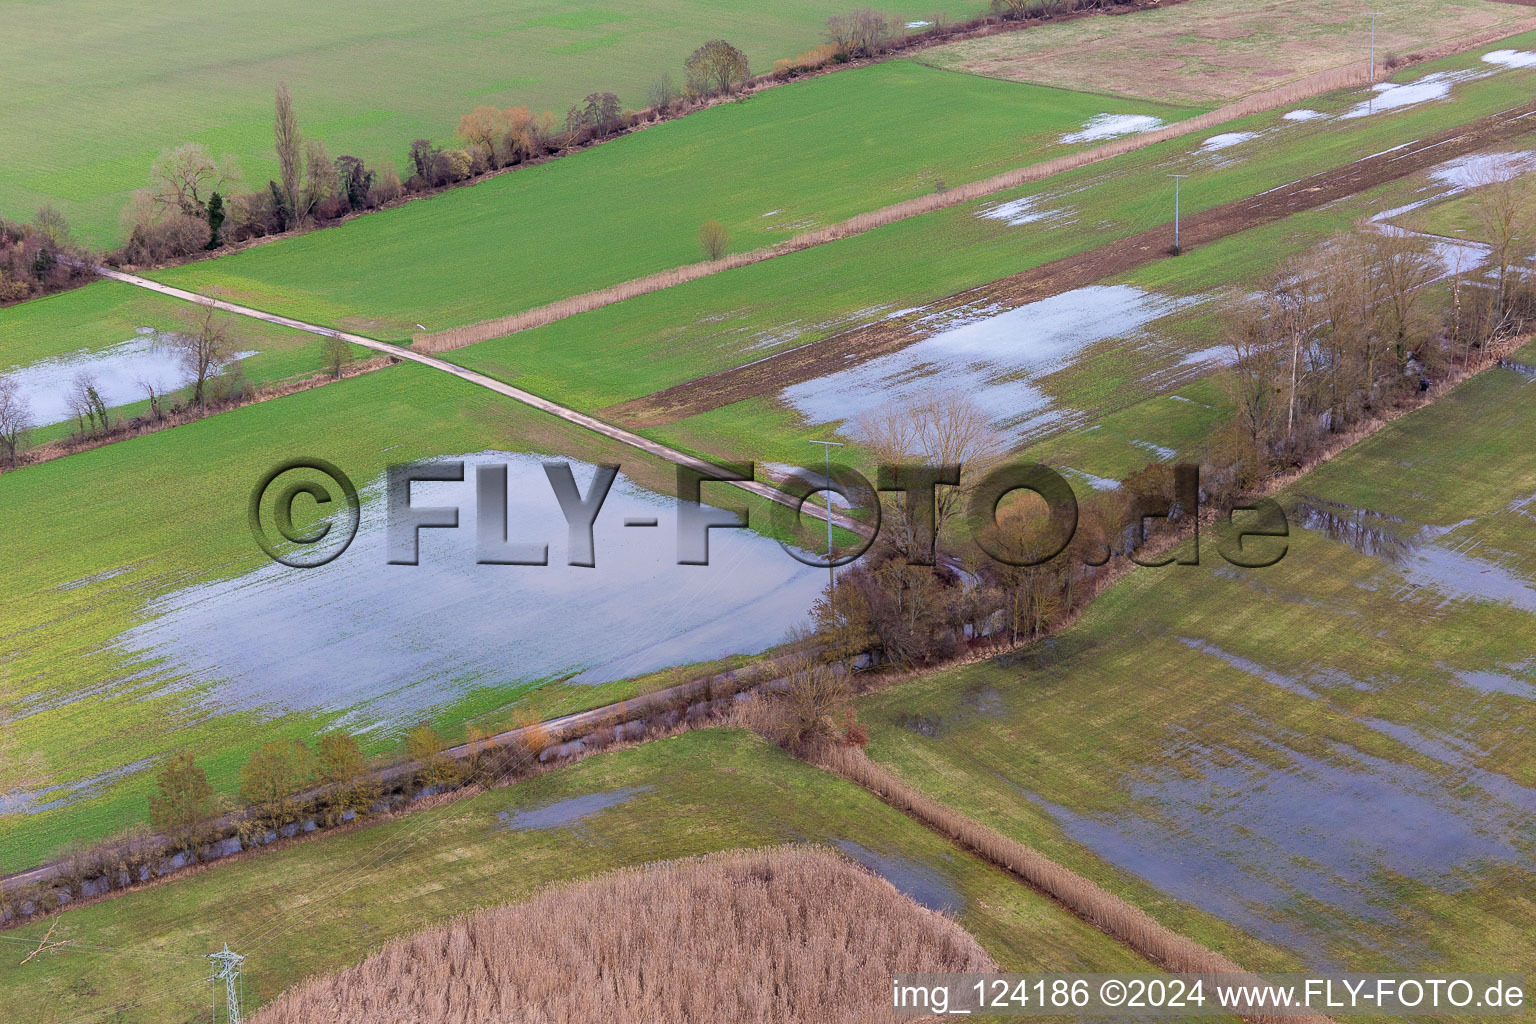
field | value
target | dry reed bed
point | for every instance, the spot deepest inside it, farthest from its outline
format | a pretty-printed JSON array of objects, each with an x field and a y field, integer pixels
[
  {"x": 783, "y": 934},
  {"x": 1258, "y": 103},
  {"x": 1083, "y": 897}
]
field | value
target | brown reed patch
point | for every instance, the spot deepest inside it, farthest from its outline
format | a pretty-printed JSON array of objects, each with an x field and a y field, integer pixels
[{"x": 773, "y": 935}]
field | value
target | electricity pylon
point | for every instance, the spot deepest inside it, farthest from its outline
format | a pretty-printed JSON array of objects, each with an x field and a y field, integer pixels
[{"x": 226, "y": 965}]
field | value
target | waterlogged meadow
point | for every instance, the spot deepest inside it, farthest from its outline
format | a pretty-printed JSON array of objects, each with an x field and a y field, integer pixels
[
  {"x": 1332, "y": 755},
  {"x": 695, "y": 794},
  {"x": 141, "y": 617},
  {"x": 663, "y": 339},
  {"x": 448, "y": 626}
]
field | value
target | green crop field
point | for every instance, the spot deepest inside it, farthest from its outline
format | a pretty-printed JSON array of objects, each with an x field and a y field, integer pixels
[
  {"x": 136, "y": 78},
  {"x": 347, "y": 894},
  {"x": 645, "y": 344},
  {"x": 1333, "y": 753},
  {"x": 115, "y": 533},
  {"x": 808, "y": 154}
]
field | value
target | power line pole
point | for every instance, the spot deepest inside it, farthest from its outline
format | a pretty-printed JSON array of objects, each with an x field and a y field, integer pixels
[
  {"x": 826, "y": 448},
  {"x": 1177, "y": 178},
  {"x": 1374, "y": 16},
  {"x": 226, "y": 968}
]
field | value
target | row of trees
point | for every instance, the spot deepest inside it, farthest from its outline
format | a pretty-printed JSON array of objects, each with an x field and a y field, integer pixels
[
  {"x": 195, "y": 202},
  {"x": 1336, "y": 336},
  {"x": 283, "y": 785},
  {"x": 1347, "y": 329}
]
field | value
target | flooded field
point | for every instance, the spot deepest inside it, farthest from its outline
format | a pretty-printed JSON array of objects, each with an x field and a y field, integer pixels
[
  {"x": 118, "y": 373},
  {"x": 994, "y": 356},
  {"x": 412, "y": 637}
]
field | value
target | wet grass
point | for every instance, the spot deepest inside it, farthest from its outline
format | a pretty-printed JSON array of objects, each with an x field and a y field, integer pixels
[
  {"x": 655, "y": 341},
  {"x": 107, "y": 313},
  {"x": 1333, "y": 753},
  {"x": 323, "y": 905},
  {"x": 367, "y": 79},
  {"x": 169, "y": 510},
  {"x": 808, "y": 154}
]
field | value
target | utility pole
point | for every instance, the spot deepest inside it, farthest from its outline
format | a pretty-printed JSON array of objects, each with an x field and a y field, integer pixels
[
  {"x": 226, "y": 967},
  {"x": 1374, "y": 16},
  {"x": 1177, "y": 178},
  {"x": 826, "y": 449}
]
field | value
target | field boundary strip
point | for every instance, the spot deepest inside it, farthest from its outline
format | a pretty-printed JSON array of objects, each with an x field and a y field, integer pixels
[
  {"x": 1258, "y": 103},
  {"x": 661, "y": 451}
]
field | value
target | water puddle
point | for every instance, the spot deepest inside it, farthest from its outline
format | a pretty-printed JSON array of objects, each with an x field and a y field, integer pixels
[
  {"x": 1511, "y": 58},
  {"x": 1268, "y": 849},
  {"x": 569, "y": 811},
  {"x": 1391, "y": 96},
  {"x": 993, "y": 356},
  {"x": 1488, "y": 681},
  {"x": 51, "y": 798},
  {"x": 1303, "y": 115},
  {"x": 116, "y": 373},
  {"x": 1100, "y": 127},
  {"x": 1098, "y": 483},
  {"x": 1467, "y": 172},
  {"x": 920, "y": 882},
  {"x": 1017, "y": 212},
  {"x": 1226, "y": 140},
  {"x": 1251, "y": 667},
  {"x": 1161, "y": 453},
  {"x": 387, "y": 641},
  {"x": 1359, "y": 529}
]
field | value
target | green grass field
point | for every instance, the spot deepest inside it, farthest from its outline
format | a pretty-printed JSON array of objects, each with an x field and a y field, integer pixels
[
  {"x": 367, "y": 78},
  {"x": 1333, "y": 753},
  {"x": 654, "y": 341},
  {"x": 319, "y": 906},
  {"x": 113, "y": 530},
  {"x": 808, "y": 154}
]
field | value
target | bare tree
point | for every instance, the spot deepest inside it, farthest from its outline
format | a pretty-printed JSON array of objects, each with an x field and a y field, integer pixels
[
  {"x": 716, "y": 67},
  {"x": 151, "y": 391},
  {"x": 714, "y": 239},
  {"x": 184, "y": 179},
  {"x": 863, "y": 33},
  {"x": 319, "y": 179},
  {"x": 336, "y": 354},
  {"x": 290, "y": 147},
  {"x": 203, "y": 346},
  {"x": 15, "y": 418},
  {"x": 482, "y": 127},
  {"x": 943, "y": 428},
  {"x": 1401, "y": 267},
  {"x": 1506, "y": 209}
]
